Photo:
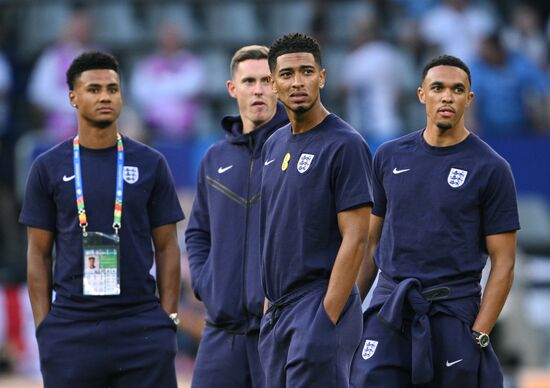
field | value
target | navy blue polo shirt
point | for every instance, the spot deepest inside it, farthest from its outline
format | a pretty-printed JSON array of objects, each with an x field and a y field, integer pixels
[
  {"x": 149, "y": 201},
  {"x": 307, "y": 180},
  {"x": 438, "y": 205}
]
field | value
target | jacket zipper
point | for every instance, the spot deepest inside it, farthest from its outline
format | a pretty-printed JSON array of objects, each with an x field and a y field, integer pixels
[{"x": 245, "y": 240}]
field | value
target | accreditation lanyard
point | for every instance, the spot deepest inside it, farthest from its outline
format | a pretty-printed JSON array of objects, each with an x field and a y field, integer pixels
[{"x": 83, "y": 220}]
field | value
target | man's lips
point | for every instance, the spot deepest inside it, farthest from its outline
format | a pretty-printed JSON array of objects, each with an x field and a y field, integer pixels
[
  {"x": 298, "y": 96},
  {"x": 446, "y": 111}
]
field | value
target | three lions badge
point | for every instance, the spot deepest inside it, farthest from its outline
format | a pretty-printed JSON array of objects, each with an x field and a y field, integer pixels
[
  {"x": 369, "y": 348},
  {"x": 304, "y": 162}
]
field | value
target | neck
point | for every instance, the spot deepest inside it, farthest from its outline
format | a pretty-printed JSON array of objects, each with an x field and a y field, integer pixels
[
  {"x": 437, "y": 137},
  {"x": 304, "y": 121},
  {"x": 249, "y": 126},
  {"x": 97, "y": 138}
]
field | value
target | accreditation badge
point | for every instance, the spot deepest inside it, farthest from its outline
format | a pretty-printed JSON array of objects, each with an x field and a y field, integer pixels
[{"x": 101, "y": 264}]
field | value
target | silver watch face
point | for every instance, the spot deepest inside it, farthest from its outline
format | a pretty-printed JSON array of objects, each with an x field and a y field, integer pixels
[{"x": 483, "y": 340}]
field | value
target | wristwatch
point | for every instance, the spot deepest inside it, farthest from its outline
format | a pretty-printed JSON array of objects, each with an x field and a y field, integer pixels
[
  {"x": 482, "y": 339},
  {"x": 174, "y": 317}
]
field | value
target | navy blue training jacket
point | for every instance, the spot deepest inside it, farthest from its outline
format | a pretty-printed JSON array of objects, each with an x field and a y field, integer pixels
[{"x": 222, "y": 236}]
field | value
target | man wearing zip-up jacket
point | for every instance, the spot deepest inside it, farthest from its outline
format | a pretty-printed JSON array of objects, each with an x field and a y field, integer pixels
[{"x": 223, "y": 233}]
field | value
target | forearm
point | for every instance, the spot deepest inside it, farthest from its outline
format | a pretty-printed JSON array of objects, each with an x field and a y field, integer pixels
[
  {"x": 39, "y": 280},
  {"x": 496, "y": 291},
  {"x": 343, "y": 276},
  {"x": 369, "y": 270},
  {"x": 366, "y": 276},
  {"x": 169, "y": 277}
]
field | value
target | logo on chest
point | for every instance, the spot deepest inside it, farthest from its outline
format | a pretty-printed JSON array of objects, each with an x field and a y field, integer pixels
[
  {"x": 369, "y": 349},
  {"x": 456, "y": 177},
  {"x": 130, "y": 174},
  {"x": 304, "y": 162}
]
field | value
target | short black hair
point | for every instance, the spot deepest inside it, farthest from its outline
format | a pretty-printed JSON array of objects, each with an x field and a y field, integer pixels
[
  {"x": 447, "y": 60},
  {"x": 90, "y": 60},
  {"x": 295, "y": 42}
]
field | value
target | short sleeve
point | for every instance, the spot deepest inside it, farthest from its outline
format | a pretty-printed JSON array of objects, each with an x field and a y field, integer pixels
[
  {"x": 352, "y": 174},
  {"x": 379, "y": 195},
  {"x": 164, "y": 207},
  {"x": 499, "y": 202},
  {"x": 38, "y": 209}
]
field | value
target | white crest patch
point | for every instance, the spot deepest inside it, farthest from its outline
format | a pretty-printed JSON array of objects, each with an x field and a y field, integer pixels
[
  {"x": 369, "y": 348},
  {"x": 456, "y": 177},
  {"x": 304, "y": 162},
  {"x": 130, "y": 174}
]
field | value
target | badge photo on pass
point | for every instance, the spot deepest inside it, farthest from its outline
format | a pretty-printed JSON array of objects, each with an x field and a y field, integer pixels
[{"x": 101, "y": 264}]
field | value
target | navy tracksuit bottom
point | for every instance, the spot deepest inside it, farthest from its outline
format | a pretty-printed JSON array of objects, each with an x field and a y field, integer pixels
[
  {"x": 127, "y": 352},
  {"x": 300, "y": 347},
  {"x": 227, "y": 360},
  {"x": 416, "y": 337},
  {"x": 457, "y": 358}
]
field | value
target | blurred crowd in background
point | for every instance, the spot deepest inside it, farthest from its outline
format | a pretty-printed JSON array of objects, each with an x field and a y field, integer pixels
[{"x": 175, "y": 61}]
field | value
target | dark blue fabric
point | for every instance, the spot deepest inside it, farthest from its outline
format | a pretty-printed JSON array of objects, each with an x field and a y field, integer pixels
[
  {"x": 432, "y": 231},
  {"x": 458, "y": 362},
  {"x": 300, "y": 202},
  {"x": 392, "y": 299},
  {"x": 301, "y": 347},
  {"x": 227, "y": 360},
  {"x": 150, "y": 202},
  {"x": 404, "y": 309},
  {"x": 132, "y": 351},
  {"x": 222, "y": 237}
]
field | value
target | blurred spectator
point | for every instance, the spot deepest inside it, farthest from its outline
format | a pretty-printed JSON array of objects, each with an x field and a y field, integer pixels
[
  {"x": 11, "y": 267},
  {"x": 191, "y": 310},
  {"x": 455, "y": 27},
  {"x": 18, "y": 347},
  {"x": 5, "y": 86},
  {"x": 413, "y": 47},
  {"x": 414, "y": 8},
  {"x": 166, "y": 87},
  {"x": 526, "y": 35},
  {"x": 47, "y": 89},
  {"x": 375, "y": 79},
  {"x": 511, "y": 92}
]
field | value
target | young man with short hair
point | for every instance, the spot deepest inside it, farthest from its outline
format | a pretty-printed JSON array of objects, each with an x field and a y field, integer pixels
[
  {"x": 315, "y": 207},
  {"x": 223, "y": 233},
  {"x": 443, "y": 201},
  {"x": 104, "y": 195}
]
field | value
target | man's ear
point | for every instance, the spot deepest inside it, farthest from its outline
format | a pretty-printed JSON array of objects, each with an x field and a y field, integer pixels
[
  {"x": 230, "y": 85},
  {"x": 421, "y": 95},
  {"x": 273, "y": 87},
  {"x": 72, "y": 99},
  {"x": 470, "y": 99},
  {"x": 322, "y": 78}
]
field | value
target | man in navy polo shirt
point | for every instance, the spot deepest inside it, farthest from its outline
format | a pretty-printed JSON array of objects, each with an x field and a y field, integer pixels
[
  {"x": 102, "y": 195},
  {"x": 315, "y": 207},
  {"x": 443, "y": 201},
  {"x": 223, "y": 233}
]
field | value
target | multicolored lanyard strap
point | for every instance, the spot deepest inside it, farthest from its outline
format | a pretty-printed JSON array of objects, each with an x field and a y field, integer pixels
[{"x": 82, "y": 219}]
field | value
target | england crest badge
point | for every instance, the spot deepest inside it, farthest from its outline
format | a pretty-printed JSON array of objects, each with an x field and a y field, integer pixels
[
  {"x": 369, "y": 348},
  {"x": 130, "y": 174},
  {"x": 304, "y": 162},
  {"x": 456, "y": 177}
]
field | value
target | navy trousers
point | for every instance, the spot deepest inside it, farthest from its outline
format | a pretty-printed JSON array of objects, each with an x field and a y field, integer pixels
[
  {"x": 227, "y": 360},
  {"x": 300, "y": 347},
  {"x": 128, "y": 352},
  {"x": 383, "y": 358}
]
